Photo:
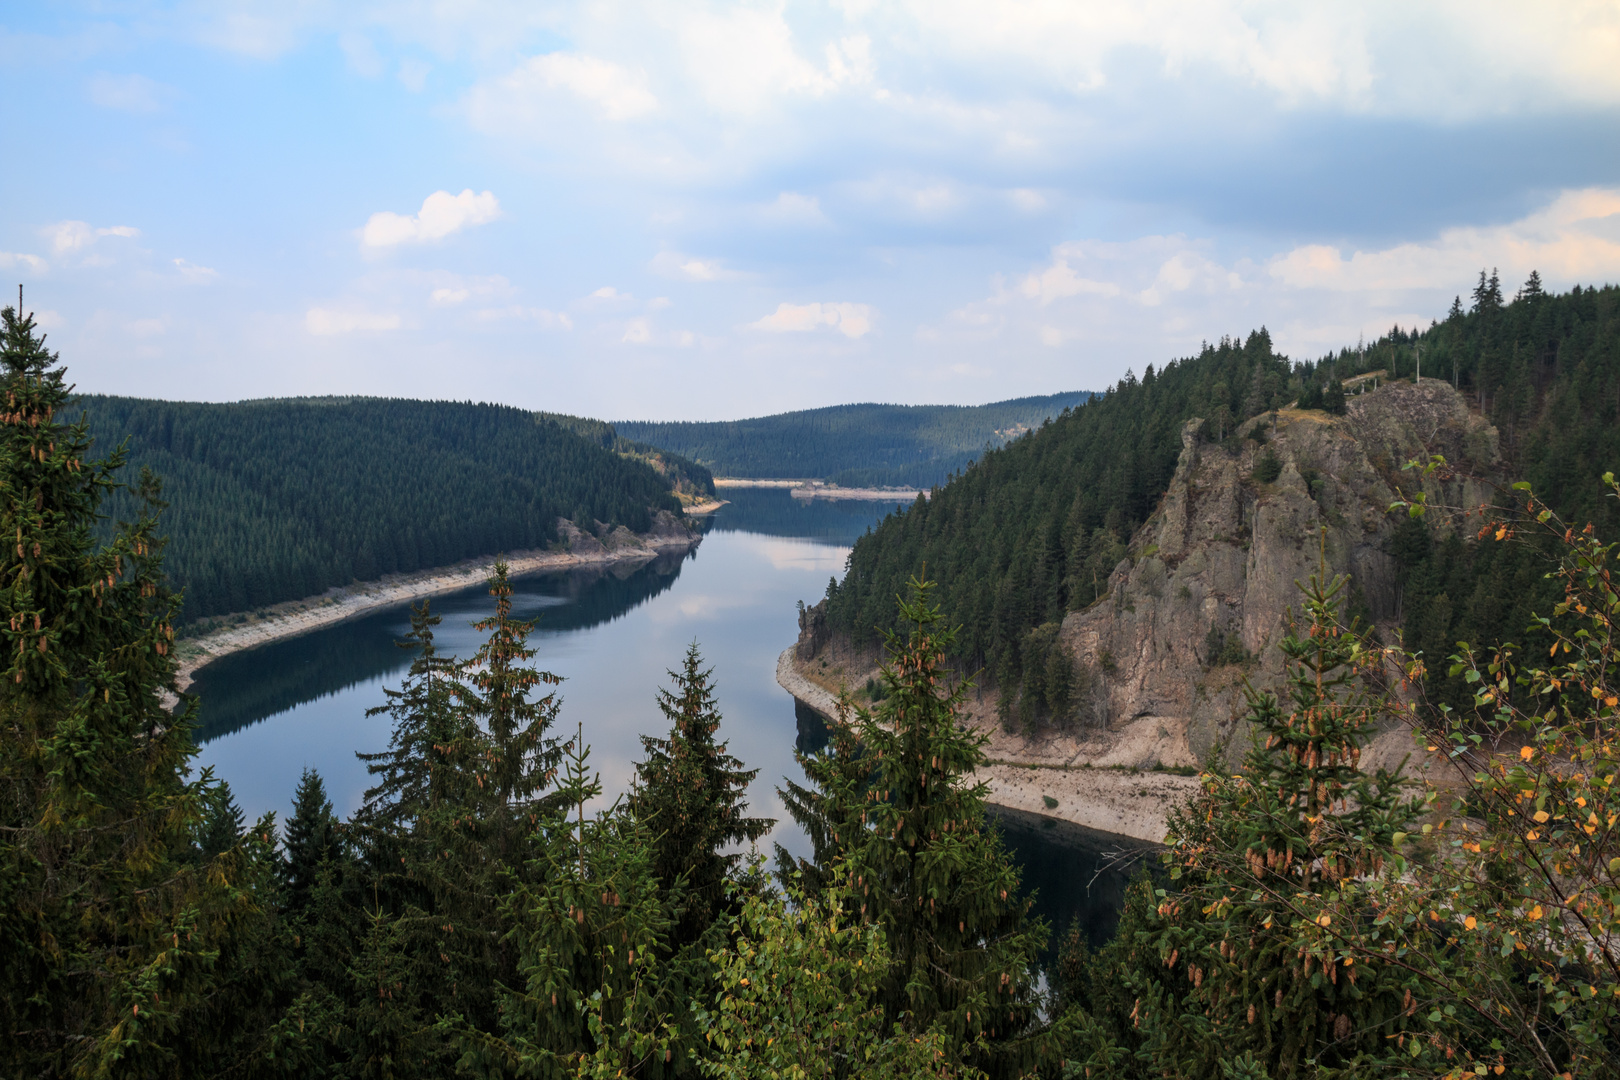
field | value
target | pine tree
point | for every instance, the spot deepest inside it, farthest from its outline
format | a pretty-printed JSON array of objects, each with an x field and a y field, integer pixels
[
  {"x": 1228, "y": 969},
  {"x": 311, "y": 841},
  {"x": 691, "y": 796},
  {"x": 929, "y": 870},
  {"x": 118, "y": 955}
]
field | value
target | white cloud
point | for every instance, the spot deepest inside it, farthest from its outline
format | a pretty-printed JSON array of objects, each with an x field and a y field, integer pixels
[
  {"x": 526, "y": 96},
  {"x": 659, "y": 303},
  {"x": 413, "y": 74},
  {"x": 442, "y": 215},
  {"x": 32, "y": 263},
  {"x": 851, "y": 320},
  {"x": 637, "y": 332},
  {"x": 1575, "y": 238},
  {"x": 128, "y": 93},
  {"x": 449, "y": 296},
  {"x": 692, "y": 268},
  {"x": 327, "y": 321},
  {"x": 193, "y": 273},
  {"x": 741, "y": 60},
  {"x": 69, "y": 236},
  {"x": 792, "y": 208},
  {"x": 1060, "y": 280},
  {"x": 550, "y": 320},
  {"x": 145, "y": 328}
]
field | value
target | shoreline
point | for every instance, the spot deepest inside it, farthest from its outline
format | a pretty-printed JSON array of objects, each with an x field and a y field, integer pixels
[
  {"x": 293, "y": 618},
  {"x": 1123, "y": 801},
  {"x": 820, "y": 489}
]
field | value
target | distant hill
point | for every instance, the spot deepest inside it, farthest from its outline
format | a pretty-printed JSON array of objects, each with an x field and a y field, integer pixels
[
  {"x": 856, "y": 445},
  {"x": 276, "y": 500}
]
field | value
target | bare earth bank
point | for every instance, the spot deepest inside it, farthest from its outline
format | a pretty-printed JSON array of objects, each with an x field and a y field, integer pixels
[{"x": 296, "y": 617}]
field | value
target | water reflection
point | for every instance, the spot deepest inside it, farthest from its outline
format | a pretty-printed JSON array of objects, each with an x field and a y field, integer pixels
[
  {"x": 247, "y": 687},
  {"x": 612, "y": 634}
]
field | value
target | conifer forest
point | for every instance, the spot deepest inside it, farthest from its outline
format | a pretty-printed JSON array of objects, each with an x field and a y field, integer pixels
[{"x": 484, "y": 913}]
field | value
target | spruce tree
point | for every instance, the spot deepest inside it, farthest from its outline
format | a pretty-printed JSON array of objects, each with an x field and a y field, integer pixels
[
  {"x": 829, "y": 809},
  {"x": 223, "y": 823},
  {"x": 117, "y": 955},
  {"x": 691, "y": 796},
  {"x": 311, "y": 841},
  {"x": 926, "y": 866},
  {"x": 1236, "y": 964}
]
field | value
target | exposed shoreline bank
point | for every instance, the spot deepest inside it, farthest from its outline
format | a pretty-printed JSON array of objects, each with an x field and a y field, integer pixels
[
  {"x": 1110, "y": 799},
  {"x": 820, "y": 489},
  {"x": 295, "y": 617}
]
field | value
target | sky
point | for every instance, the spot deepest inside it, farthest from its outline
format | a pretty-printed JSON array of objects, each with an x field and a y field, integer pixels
[{"x": 704, "y": 211}]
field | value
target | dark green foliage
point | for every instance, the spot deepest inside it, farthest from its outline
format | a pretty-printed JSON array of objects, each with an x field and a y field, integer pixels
[
  {"x": 1267, "y": 468},
  {"x": 684, "y": 476},
  {"x": 1033, "y": 530},
  {"x": 1218, "y": 968},
  {"x": 311, "y": 842},
  {"x": 279, "y": 500},
  {"x": 120, "y": 955},
  {"x": 829, "y": 809},
  {"x": 855, "y": 445},
  {"x": 222, "y": 824},
  {"x": 689, "y": 795},
  {"x": 1223, "y": 646},
  {"x": 924, "y": 865}
]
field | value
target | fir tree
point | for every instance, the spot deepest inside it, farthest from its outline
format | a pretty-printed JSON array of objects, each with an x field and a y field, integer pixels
[
  {"x": 927, "y": 868},
  {"x": 311, "y": 841},
  {"x": 118, "y": 956},
  {"x": 691, "y": 796}
]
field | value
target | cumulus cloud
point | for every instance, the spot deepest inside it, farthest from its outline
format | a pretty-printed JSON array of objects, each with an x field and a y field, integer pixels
[
  {"x": 71, "y": 236},
  {"x": 528, "y": 96},
  {"x": 1574, "y": 238},
  {"x": 637, "y": 332},
  {"x": 442, "y": 215},
  {"x": 851, "y": 320},
  {"x": 692, "y": 268},
  {"x": 324, "y": 322},
  {"x": 128, "y": 93}
]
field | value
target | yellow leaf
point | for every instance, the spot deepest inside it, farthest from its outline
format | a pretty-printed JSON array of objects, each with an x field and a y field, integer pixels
[
  {"x": 1469, "y": 923},
  {"x": 1527, "y": 752},
  {"x": 1541, "y": 816},
  {"x": 1535, "y": 913},
  {"x": 1324, "y": 920}
]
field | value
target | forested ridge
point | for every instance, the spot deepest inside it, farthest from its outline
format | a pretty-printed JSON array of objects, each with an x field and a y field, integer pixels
[
  {"x": 1313, "y": 919},
  {"x": 281, "y": 499},
  {"x": 853, "y": 445},
  {"x": 1032, "y": 530}
]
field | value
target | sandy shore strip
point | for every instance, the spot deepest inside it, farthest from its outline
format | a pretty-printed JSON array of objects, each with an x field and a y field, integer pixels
[
  {"x": 1125, "y": 802},
  {"x": 820, "y": 489},
  {"x": 296, "y": 617},
  {"x": 709, "y": 507}
]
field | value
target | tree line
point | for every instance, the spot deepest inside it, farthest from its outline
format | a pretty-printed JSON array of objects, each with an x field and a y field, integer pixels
[
  {"x": 474, "y": 918},
  {"x": 282, "y": 499},
  {"x": 1031, "y": 531},
  {"x": 854, "y": 445}
]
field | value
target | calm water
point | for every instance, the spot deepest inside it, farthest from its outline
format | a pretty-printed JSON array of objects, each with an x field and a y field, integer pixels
[{"x": 612, "y": 634}]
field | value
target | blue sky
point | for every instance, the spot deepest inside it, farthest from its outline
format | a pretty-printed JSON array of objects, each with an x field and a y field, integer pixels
[{"x": 709, "y": 210}]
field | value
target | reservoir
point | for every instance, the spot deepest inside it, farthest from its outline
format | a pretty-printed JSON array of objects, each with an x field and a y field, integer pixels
[{"x": 612, "y": 633}]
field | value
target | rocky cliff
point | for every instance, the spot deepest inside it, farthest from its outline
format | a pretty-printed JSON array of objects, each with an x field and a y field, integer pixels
[{"x": 1203, "y": 598}]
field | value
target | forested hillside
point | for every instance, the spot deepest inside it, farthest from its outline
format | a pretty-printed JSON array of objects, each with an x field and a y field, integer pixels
[
  {"x": 281, "y": 499},
  {"x": 854, "y": 445},
  {"x": 1032, "y": 530}
]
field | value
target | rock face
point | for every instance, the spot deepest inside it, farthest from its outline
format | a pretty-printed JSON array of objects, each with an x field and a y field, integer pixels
[
  {"x": 667, "y": 531},
  {"x": 1214, "y": 569},
  {"x": 813, "y": 631}
]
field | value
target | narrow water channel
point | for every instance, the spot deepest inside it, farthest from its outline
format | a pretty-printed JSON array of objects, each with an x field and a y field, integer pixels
[{"x": 271, "y": 712}]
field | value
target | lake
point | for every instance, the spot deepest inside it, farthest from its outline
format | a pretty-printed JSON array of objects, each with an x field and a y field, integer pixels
[{"x": 612, "y": 634}]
